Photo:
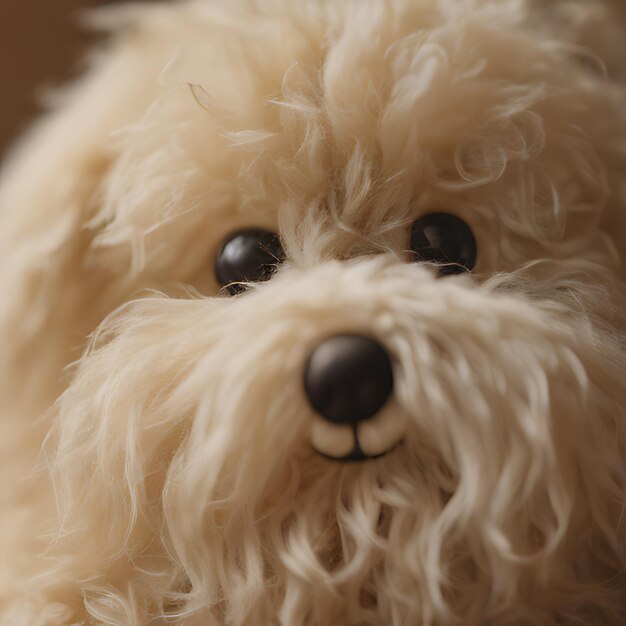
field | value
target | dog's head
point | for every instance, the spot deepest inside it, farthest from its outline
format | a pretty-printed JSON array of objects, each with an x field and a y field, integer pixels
[{"x": 390, "y": 387}]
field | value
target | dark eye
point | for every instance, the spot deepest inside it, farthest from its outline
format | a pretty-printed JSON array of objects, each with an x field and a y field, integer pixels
[
  {"x": 446, "y": 240},
  {"x": 249, "y": 255}
]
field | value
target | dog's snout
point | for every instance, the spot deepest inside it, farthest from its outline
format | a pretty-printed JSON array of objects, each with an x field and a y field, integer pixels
[{"x": 348, "y": 378}]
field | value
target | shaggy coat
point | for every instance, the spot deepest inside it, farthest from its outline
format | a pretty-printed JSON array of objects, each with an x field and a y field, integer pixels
[{"x": 157, "y": 457}]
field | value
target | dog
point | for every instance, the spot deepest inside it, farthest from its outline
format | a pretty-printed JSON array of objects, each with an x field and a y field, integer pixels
[{"x": 313, "y": 314}]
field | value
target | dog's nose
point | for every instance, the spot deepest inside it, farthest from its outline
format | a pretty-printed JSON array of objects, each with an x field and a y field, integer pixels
[{"x": 348, "y": 378}]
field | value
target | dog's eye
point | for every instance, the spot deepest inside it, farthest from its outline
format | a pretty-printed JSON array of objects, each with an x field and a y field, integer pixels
[
  {"x": 446, "y": 240},
  {"x": 249, "y": 255}
]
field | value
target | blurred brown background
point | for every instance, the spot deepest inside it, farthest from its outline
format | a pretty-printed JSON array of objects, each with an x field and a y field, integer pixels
[{"x": 40, "y": 44}]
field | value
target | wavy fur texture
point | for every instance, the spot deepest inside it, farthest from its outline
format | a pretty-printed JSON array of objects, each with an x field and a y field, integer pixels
[{"x": 156, "y": 464}]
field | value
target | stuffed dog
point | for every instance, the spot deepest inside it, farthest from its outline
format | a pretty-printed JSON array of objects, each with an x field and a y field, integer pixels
[{"x": 313, "y": 315}]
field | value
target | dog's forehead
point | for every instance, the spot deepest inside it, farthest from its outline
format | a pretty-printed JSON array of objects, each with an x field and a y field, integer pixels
[{"x": 363, "y": 114}]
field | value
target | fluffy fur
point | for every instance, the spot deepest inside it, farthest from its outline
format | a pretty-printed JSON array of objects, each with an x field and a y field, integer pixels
[{"x": 161, "y": 471}]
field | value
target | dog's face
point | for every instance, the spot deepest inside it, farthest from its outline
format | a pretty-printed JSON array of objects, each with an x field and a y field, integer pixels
[{"x": 391, "y": 392}]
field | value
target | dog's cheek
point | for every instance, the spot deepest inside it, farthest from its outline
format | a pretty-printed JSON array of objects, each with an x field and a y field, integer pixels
[{"x": 524, "y": 423}]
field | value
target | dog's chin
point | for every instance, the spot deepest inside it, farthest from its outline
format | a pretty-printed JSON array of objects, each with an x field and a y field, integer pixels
[{"x": 370, "y": 439}]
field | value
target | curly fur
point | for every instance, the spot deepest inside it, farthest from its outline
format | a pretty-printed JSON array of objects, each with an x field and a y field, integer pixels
[{"x": 156, "y": 464}]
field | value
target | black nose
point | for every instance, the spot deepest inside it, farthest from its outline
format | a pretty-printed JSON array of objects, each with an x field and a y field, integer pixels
[{"x": 348, "y": 378}]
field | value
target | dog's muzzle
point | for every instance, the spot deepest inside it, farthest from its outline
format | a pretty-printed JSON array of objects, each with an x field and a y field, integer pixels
[{"x": 349, "y": 381}]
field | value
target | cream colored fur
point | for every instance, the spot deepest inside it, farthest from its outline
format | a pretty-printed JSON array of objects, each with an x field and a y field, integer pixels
[{"x": 161, "y": 471}]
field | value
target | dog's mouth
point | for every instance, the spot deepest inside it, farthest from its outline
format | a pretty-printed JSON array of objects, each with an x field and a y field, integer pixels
[
  {"x": 357, "y": 454},
  {"x": 371, "y": 439}
]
